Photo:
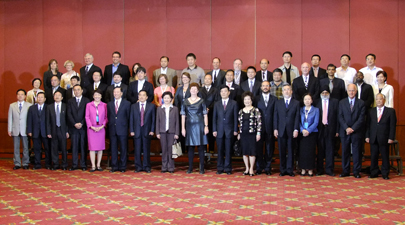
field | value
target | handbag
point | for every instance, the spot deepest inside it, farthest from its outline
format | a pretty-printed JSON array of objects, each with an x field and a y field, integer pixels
[
  {"x": 176, "y": 150},
  {"x": 237, "y": 149}
]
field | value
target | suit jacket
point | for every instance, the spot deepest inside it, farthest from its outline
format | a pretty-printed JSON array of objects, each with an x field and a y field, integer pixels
[
  {"x": 383, "y": 130},
  {"x": 286, "y": 119},
  {"x": 220, "y": 78},
  {"x": 135, "y": 119},
  {"x": 49, "y": 95},
  {"x": 174, "y": 120},
  {"x": 109, "y": 93},
  {"x": 299, "y": 89},
  {"x": 170, "y": 73},
  {"x": 122, "y": 69},
  {"x": 259, "y": 76},
  {"x": 209, "y": 97},
  {"x": 367, "y": 95},
  {"x": 225, "y": 122},
  {"x": 132, "y": 93},
  {"x": 118, "y": 122},
  {"x": 312, "y": 119},
  {"x": 90, "y": 91},
  {"x": 76, "y": 114},
  {"x": 294, "y": 73},
  {"x": 339, "y": 88},
  {"x": 69, "y": 94},
  {"x": 333, "y": 111},
  {"x": 256, "y": 87},
  {"x": 51, "y": 120},
  {"x": 87, "y": 79},
  {"x": 36, "y": 122},
  {"x": 47, "y": 79},
  {"x": 17, "y": 121},
  {"x": 321, "y": 73},
  {"x": 353, "y": 119},
  {"x": 267, "y": 112}
]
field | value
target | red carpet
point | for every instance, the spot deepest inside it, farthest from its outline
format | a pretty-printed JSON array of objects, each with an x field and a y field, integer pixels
[{"x": 63, "y": 197}]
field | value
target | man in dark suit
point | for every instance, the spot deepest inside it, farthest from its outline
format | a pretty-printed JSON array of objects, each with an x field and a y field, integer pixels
[
  {"x": 140, "y": 85},
  {"x": 111, "y": 69},
  {"x": 351, "y": 121},
  {"x": 70, "y": 92},
  {"x": 97, "y": 85},
  {"x": 76, "y": 111},
  {"x": 336, "y": 85},
  {"x": 210, "y": 95},
  {"x": 55, "y": 82},
  {"x": 218, "y": 75},
  {"x": 119, "y": 111},
  {"x": 381, "y": 125},
  {"x": 109, "y": 95},
  {"x": 36, "y": 129},
  {"x": 240, "y": 75},
  {"x": 286, "y": 125},
  {"x": 225, "y": 128},
  {"x": 365, "y": 91},
  {"x": 328, "y": 129},
  {"x": 88, "y": 70},
  {"x": 265, "y": 103},
  {"x": 305, "y": 84},
  {"x": 234, "y": 89},
  {"x": 57, "y": 129},
  {"x": 251, "y": 84},
  {"x": 142, "y": 128},
  {"x": 317, "y": 71},
  {"x": 264, "y": 74}
]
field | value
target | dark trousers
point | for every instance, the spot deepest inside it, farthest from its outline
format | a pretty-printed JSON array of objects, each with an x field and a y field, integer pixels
[
  {"x": 224, "y": 147},
  {"x": 263, "y": 161},
  {"x": 285, "y": 144},
  {"x": 166, "y": 142},
  {"x": 376, "y": 149},
  {"x": 59, "y": 143},
  {"x": 142, "y": 145},
  {"x": 38, "y": 143},
  {"x": 122, "y": 140},
  {"x": 79, "y": 145},
  {"x": 355, "y": 142},
  {"x": 201, "y": 153},
  {"x": 210, "y": 137},
  {"x": 326, "y": 145}
]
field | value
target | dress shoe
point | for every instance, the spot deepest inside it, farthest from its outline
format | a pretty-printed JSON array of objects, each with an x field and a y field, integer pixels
[
  {"x": 54, "y": 168},
  {"x": 251, "y": 174},
  {"x": 258, "y": 172},
  {"x": 357, "y": 175},
  {"x": 16, "y": 167},
  {"x": 373, "y": 176},
  {"x": 385, "y": 177},
  {"x": 137, "y": 171},
  {"x": 189, "y": 171},
  {"x": 84, "y": 169},
  {"x": 64, "y": 168},
  {"x": 344, "y": 175},
  {"x": 319, "y": 174},
  {"x": 330, "y": 174},
  {"x": 112, "y": 170},
  {"x": 228, "y": 173},
  {"x": 202, "y": 171},
  {"x": 291, "y": 174},
  {"x": 99, "y": 169},
  {"x": 122, "y": 171},
  {"x": 25, "y": 167},
  {"x": 36, "y": 168},
  {"x": 93, "y": 170},
  {"x": 48, "y": 168},
  {"x": 268, "y": 173},
  {"x": 171, "y": 171},
  {"x": 72, "y": 169},
  {"x": 219, "y": 172},
  {"x": 163, "y": 171},
  {"x": 148, "y": 171},
  {"x": 282, "y": 174}
]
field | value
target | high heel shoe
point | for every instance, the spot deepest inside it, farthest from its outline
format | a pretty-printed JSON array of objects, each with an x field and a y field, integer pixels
[
  {"x": 244, "y": 174},
  {"x": 93, "y": 169},
  {"x": 99, "y": 169},
  {"x": 251, "y": 174}
]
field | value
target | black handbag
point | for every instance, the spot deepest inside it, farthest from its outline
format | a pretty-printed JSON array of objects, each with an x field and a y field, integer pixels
[{"x": 237, "y": 149}]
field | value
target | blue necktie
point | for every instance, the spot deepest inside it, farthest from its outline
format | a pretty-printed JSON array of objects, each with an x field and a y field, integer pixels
[
  {"x": 286, "y": 104},
  {"x": 20, "y": 107},
  {"x": 251, "y": 86},
  {"x": 57, "y": 116}
]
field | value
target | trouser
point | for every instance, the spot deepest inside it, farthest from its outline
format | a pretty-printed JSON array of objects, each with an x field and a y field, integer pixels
[
  {"x": 142, "y": 145},
  {"x": 122, "y": 140},
  {"x": 79, "y": 146},
  {"x": 356, "y": 153},
  {"x": 166, "y": 142},
  {"x": 376, "y": 149},
  {"x": 38, "y": 143},
  {"x": 201, "y": 153},
  {"x": 326, "y": 143},
  {"x": 59, "y": 142},
  {"x": 17, "y": 154},
  {"x": 285, "y": 143},
  {"x": 263, "y": 161},
  {"x": 224, "y": 147}
]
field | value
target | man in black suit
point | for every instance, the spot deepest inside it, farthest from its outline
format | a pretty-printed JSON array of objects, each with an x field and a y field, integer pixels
[
  {"x": 111, "y": 69},
  {"x": 265, "y": 103},
  {"x": 210, "y": 95},
  {"x": 88, "y": 70},
  {"x": 36, "y": 129},
  {"x": 225, "y": 128},
  {"x": 251, "y": 84},
  {"x": 109, "y": 94},
  {"x": 218, "y": 75},
  {"x": 240, "y": 75},
  {"x": 76, "y": 111},
  {"x": 317, "y": 71},
  {"x": 70, "y": 92},
  {"x": 97, "y": 85},
  {"x": 328, "y": 130},
  {"x": 142, "y": 128},
  {"x": 286, "y": 125},
  {"x": 352, "y": 112},
  {"x": 140, "y": 85},
  {"x": 381, "y": 125},
  {"x": 305, "y": 84},
  {"x": 336, "y": 85},
  {"x": 55, "y": 82},
  {"x": 264, "y": 74},
  {"x": 364, "y": 91},
  {"x": 57, "y": 130},
  {"x": 234, "y": 89},
  {"x": 119, "y": 111}
]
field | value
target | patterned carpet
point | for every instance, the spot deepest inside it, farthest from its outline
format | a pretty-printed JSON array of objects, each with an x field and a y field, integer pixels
[{"x": 63, "y": 197}]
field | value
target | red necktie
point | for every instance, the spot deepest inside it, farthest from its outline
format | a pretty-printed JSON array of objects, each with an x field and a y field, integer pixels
[{"x": 142, "y": 114}]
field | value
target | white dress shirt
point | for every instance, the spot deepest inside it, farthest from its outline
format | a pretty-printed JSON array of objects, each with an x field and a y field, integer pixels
[
  {"x": 370, "y": 74},
  {"x": 346, "y": 75},
  {"x": 167, "y": 113},
  {"x": 96, "y": 85},
  {"x": 140, "y": 84},
  {"x": 163, "y": 70}
]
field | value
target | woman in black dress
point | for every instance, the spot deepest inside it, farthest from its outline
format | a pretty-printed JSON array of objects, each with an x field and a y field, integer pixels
[
  {"x": 249, "y": 131},
  {"x": 194, "y": 126}
]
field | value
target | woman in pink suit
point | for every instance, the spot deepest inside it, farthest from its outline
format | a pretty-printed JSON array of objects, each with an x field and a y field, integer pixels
[{"x": 96, "y": 120}]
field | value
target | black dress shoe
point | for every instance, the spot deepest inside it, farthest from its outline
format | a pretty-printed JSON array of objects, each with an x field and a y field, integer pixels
[
  {"x": 72, "y": 169},
  {"x": 344, "y": 175},
  {"x": 55, "y": 168},
  {"x": 385, "y": 177},
  {"x": 99, "y": 169},
  {"x": 319, "y": 174},
  {"x": 202, "y": 171},
  {"x": 330, "y": 174},
  {"x": 373, "y": 176},
  {"x": 268, "y": 173},
  {"x": 282, "y": 174},
  {"x": 84, "y": 168},
  {"x": 148, "y": 171},
  {"x": 25, "y": 167},
  {"x": 137, "y": 171},
  {"x": 228, "y": 173},
  {"x": 16, "y": 167},
  {"x": 48, "y": 168},
  {"x": 36, "y": 168},
  {"x": 291, "y": 174},
  {"x": 219, "y": 172},
  {"x": 357, "y": 175},
  {"x": 93, "y": 170},
  {"x": 112, "y": 170},
  {"x": 64, "y": 168},
  {"x": 189, "y": 171},
  {"x": 251, "y": 174},
  {"x": 171, "y": 171},
  {"x": 122, "y": 171},
  {"x": 258, "y": 172}
]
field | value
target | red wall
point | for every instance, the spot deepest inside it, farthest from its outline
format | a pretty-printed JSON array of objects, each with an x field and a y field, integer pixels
[{"x": 32, "y": 32}]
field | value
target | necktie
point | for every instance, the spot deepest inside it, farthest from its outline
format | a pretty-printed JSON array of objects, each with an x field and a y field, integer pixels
[
  {"x": 229, "y": 85},
  {"x": 142, "y": 114},
  {"x": 215, "y": 76},
  {"x": 78, "y": 102},
  {"x": 40, "y": 110},
  {"x": 251, "y": 86},
  {"x": 286, "y": 104},
  {"x": 208, "y": 89},
  {"x": 379, "y": 114},
  {"x": 57, "y": 116},
  {"x": 330, "y": 85},
  {"x": 95, "y": 87},
  {"x": 224, "y": 105},
  {"x": 351, "y": 105},
  {"x": 316, "y": 72},
  {"x": 264, "y": 76},
  {"x": 324, "y": 113},
  {"x": 116, "y": 107},
  {"x": 20, "y": 107},
  {"x": 306, "y": 81},
  {"x": 87, "y": 69},
  {"x": 266, "y": 100}
]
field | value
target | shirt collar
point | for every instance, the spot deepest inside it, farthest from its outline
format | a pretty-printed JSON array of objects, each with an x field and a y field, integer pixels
[
  {"x": 119, "y": 84},
  {"x": 116, "y": 66},
  {"x": 195, "y": 67},
  {"x": 164, "y": 106}
]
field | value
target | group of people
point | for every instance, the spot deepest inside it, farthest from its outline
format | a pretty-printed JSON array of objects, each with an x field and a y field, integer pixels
[{"x": 305, "y": 113}]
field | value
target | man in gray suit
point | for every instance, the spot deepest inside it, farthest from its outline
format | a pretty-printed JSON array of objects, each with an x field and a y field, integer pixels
[
  {"x": 170, "y": 73},
  {"x": 17, "y": 128}
]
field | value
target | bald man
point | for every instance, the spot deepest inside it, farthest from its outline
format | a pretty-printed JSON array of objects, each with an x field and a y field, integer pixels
[
  {"x": 306, "y": 83},
  {"x": 263, "y": 74}
]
